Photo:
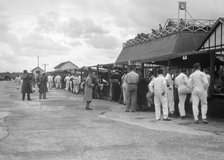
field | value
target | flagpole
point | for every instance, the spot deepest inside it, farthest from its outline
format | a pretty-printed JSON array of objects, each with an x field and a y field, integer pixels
[
  {"x": 185, "y": 12},
  {"x": 38, "y": 61},
  {"x": 178, "y": 15}
]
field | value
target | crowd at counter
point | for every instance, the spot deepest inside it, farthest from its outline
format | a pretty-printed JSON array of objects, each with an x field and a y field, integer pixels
[{"x": 175, "y": 89}]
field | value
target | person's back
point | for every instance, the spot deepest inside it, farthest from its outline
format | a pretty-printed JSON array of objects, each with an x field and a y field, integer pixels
[
  {"x": 159, "y": 84},
  {"x": 132, "y": 77},
  {"x": 181, "y": 79},
  {"x": 198, "y": 81}
]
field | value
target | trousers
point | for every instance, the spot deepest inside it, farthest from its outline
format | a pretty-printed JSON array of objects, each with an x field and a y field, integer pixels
[
  {"x": 23, "y": 96},
  {"x": 67, "y": 86},
  {"x": 158, "y": 101},
  {"x": 42, "y": 95},
  {"x": 131, "y": 100},
  {"x": 170, "y": 100},
  {"x": 196, "y": 97},
  {"x": 181, "y": 105}
]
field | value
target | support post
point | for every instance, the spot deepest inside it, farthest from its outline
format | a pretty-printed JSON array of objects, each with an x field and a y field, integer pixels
[
  {"x": 142, "y": 69},
  {"x": 212, "y": 71}
]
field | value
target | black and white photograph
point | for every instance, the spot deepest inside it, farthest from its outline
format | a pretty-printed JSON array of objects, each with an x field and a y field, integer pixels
[{"x": 111, "y": 80}]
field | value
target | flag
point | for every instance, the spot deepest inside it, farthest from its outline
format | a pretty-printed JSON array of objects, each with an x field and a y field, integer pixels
[{"x": 182, "y": 5}]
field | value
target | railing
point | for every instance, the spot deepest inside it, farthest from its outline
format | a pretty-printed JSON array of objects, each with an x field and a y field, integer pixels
[{"x": 172, "y": 26}]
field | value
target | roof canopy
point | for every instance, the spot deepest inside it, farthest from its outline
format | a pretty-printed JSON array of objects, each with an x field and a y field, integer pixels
[{"x": 164, "y": 48}]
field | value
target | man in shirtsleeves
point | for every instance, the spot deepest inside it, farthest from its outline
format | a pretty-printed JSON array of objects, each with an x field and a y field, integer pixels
[{"x": 132, "y": 79}]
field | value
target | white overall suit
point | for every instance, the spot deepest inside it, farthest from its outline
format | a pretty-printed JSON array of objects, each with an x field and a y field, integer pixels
[
  {"x": 199, "y": 83},
  {"x": 158, "y": 86}
]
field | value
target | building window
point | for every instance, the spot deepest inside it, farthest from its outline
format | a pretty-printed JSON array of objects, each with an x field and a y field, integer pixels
[
  {"x": 218, "y": 36},
  {"x": 212, "y": 40}
]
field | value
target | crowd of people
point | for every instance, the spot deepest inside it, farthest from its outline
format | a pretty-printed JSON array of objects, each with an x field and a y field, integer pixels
[
  {"x": 73, "y": 83},
  {"x": 162, "y": 90}
]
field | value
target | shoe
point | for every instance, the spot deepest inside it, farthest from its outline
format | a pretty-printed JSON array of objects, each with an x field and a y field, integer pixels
[
  {"x": 166, "y": 119},
  {"x": 126, "y": 110},
  {"x": 196, "y": 122},
  {"x": 205, "y": 121},
  {"x": 182, "y": 117},
  {"x": 44, "y": 98},
  {"x": 172, "y": 115},
  {"x": 132, "y": 111},
  {"x": 158, "y": 119},
  {"x": 87, "y": 108}
]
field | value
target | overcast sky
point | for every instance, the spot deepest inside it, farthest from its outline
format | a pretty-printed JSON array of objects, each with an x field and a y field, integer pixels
[{"x": 85, "y": 32}]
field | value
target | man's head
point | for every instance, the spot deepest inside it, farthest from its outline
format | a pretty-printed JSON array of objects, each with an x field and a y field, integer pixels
[
  {"x": 131, "y": 68},
  {"x": 197, "y": 66},
  {"x": 160, "y": 71},
  {"x": 183, "y": 70}
]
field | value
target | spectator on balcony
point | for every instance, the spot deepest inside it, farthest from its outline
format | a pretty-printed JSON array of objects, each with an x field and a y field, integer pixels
[
  {"x": 182, "y": 24},
  {"x": 160, "y": 28}
]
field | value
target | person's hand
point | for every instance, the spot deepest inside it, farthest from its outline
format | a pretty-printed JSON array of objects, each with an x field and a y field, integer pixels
[
  {"x": 152, "y": 94},
  {"x": 163, "y": 93}
]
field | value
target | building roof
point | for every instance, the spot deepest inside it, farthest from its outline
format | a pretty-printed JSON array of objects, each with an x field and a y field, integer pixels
[
  {"x": 63, "y": 63},
  {"x": 164, "y": 48},
  {"x": 37, "y": 68},
  {"x": 213, "y": 29}
]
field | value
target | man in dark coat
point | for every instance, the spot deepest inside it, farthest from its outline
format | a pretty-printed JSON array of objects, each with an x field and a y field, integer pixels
[
  {"x": 116, "y": 90},
  {"x": 142, "y": 89},
  {"x": 42, "y": 85},
  {"x": 26, "y": 86}
]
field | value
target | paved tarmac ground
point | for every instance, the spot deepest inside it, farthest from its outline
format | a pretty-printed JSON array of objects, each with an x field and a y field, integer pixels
[{"x": 59, "y": 128}]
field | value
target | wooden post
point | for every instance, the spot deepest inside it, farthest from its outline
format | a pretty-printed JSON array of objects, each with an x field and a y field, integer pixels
[
  {"x": 168, "y": 63},
  {"x": 142, "y": 69},
  {"x": 212, "y": 71},
  {"x": 97, "y": 67},
  {"x": 81, "y": 75}
]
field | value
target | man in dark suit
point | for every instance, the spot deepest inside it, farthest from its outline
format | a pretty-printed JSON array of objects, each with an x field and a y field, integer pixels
[
  {"x": 42, "y": 85},
  {"x": 26, "y": 86}
]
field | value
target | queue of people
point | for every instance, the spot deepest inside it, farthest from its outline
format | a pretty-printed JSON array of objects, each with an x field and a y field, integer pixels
[{"x": 162, "y": 91}]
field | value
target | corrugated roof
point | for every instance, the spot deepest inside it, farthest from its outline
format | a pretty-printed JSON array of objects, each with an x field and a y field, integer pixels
[
  {"x": 37, "y": 68},
  {"x": 163, "y": 48},
  {"x": 63, "y": 63}
]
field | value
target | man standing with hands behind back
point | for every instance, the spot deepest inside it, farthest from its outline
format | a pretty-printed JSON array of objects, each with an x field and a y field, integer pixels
[
  {"x": 158, "y": 87},
  {"x": 199, "y": 83}
]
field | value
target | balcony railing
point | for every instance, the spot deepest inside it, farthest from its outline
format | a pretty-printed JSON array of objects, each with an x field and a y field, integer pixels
[{"x": 172, "y": 26}]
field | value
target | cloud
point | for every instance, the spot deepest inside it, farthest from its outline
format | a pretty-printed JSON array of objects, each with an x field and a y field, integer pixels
[
  {"x": 53, "y": 22},
  {"x": 48, "y": 22},
  {"x": 5, "y": 51},
  {"x": 103, "y": 41},
  {"x": 78, "y": 28},
  {"x": 38, "y": 41}
]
